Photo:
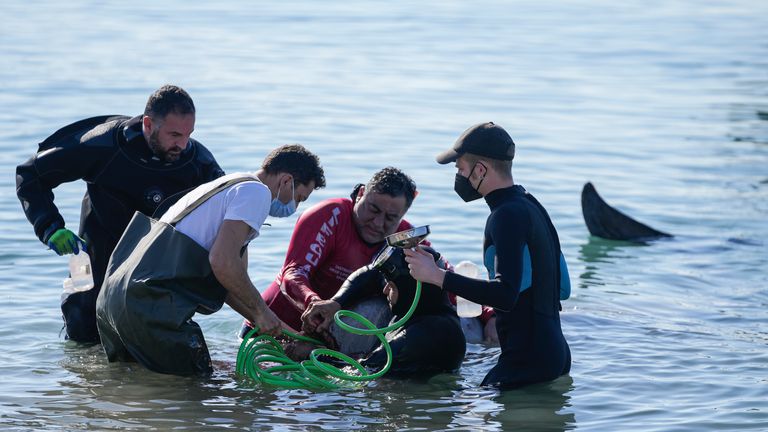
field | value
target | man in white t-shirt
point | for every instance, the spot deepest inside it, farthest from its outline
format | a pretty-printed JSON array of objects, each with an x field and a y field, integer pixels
[{"x": 148, "y": 319}]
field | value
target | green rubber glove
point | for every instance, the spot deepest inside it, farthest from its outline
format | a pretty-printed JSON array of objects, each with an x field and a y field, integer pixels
[{"x": 65, "y": 242}]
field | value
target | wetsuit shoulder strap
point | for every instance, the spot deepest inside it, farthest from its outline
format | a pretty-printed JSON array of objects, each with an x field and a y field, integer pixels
[{"x": 198, "y": 202}]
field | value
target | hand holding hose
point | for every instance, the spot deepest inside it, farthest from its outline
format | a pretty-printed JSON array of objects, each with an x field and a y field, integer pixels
[
  {"x": 319, "y": 316},
  {"x": 268, "y": 323}
]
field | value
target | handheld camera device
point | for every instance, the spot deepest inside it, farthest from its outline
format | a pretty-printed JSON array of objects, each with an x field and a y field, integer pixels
[
  {"x": 409, "y": 238},
  {"x": 390, "y": 266},
  {"x": 391, "y": 261}
]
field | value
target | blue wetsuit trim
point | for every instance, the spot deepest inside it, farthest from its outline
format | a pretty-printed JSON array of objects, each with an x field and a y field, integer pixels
[{"x": 527, "y": 278}]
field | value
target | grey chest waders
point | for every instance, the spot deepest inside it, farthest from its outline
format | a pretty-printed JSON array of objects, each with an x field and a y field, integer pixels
[{"x": 157, "y": 279}]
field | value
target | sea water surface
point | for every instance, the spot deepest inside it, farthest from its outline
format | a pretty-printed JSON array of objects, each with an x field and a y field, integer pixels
[{"x": 663, "y": 105}]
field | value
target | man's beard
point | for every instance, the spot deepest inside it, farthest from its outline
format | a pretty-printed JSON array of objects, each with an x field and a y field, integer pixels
[{"x": 170, "y": 155}]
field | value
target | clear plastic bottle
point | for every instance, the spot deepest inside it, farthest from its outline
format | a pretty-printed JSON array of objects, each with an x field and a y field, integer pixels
[
  {"x": 464, "y": 307},
  {"x": 80, "y": 277}
]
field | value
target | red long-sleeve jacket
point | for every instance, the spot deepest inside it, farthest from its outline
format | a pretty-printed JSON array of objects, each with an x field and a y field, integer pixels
[{"x": 324, "y": 249}]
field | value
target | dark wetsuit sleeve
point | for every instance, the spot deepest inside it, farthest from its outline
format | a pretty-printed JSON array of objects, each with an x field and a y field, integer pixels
[
  {"x": 363, "y": 282},
  {"x": 63, "y": 161},
  {"x": 211, "y": 170},
  {"x": 215, "y": 172},
  {"x": 506, "y": 233},
  {"x": 303, "y": 257}
]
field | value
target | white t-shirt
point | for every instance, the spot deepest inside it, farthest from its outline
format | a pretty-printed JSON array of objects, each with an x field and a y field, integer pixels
[{"x": 248, "y": 201}]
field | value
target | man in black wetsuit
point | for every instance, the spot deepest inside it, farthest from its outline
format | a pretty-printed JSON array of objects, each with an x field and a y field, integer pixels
[
  {"x": 129, "y": 164},
  {"x": 522, "y": 256}
]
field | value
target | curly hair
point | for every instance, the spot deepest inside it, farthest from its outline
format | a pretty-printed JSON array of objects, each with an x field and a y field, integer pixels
[{"x": 393, "y": 182}]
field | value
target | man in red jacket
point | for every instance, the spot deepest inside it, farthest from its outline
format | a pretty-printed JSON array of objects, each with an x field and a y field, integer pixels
[{"x": 334, "y": 238}]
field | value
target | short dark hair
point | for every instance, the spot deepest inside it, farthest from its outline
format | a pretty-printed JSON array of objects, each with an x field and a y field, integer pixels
[
  {"x": 168, "y": 99},
  {"x": 297, "y": 161},
  {"x": 393, "y": 182},
  {"x": 502, "y": 167}
]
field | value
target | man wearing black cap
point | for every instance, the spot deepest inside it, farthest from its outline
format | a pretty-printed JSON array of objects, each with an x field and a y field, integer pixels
[{"x": 522, "y": 254}]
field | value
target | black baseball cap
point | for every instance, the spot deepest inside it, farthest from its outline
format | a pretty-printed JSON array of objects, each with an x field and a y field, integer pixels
[{"x": 484, "y": 139}]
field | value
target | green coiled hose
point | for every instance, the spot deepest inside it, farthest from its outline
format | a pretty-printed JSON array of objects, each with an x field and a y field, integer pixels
[{"x": 263, "y": 359}]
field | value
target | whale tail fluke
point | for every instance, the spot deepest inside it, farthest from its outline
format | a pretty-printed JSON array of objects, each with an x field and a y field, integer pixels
[{"x": 605, "y": 221}]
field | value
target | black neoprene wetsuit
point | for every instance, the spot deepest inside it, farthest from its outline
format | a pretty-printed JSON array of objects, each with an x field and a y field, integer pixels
[
  {"x": 533, "y": 348},
  {"x": 122, "y": 176},
  {"x": 430, "y": 342}
]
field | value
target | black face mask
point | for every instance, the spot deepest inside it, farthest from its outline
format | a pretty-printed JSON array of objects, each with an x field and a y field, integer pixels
[{"x": 464, "y": 188}]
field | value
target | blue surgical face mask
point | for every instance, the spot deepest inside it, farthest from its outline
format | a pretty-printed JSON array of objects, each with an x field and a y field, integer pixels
[{"x": 279, "y": 209}]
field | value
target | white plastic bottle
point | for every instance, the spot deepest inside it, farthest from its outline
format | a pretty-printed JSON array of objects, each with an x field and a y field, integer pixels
[
  {"x": 80, "y": 278},
  {"x": 464, "y": 307}
]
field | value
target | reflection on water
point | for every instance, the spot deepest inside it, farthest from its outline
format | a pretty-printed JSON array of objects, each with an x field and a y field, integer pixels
[
  {"x": 665, "y": 336},
  {"x": 540, "y": 407},
  {"x": 124, "y": 395},
  {"x": 597, "y": 249},
  {"x": 109, "y": 396},
  {"x": 598, "y": 253}
]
